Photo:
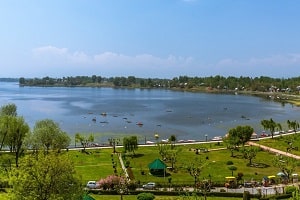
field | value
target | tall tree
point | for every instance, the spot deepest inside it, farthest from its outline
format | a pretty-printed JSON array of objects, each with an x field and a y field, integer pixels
[
  {"x": 286, "y": 164},
  {"x": 163, "y": 150},
  {"x": 18, "y": 131},
  {"x": 130, "y": 144},
  {"x": 48, "y": 135},
  {"x": 240, "y": 135},
  {"x": 84, "y": 140},
  {"x": 270, "y": 125},
  {"x": 293, "y": 125},
  {"x": 194, "y": 168},
  {"x": 4, "y": 129},
  {"x": 45, "y": 177},
  {"x": 172, "y": 139},
  {"x": 172, "y": 156},
  {"x": 250, "y": 153}
]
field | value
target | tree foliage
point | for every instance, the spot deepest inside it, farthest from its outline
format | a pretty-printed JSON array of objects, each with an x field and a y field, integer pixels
[
  {"x": 287, "y": 165},
  {"x": 48, "y": 135},
  {"x": 250, "y": 153},
  {"x": 45, "y": 177},
  {"x": 238, "y": 136},
  {"x": 9, "y": 109},
  {"x": 130, "y": 144},
  {"x": 18, "y": 131},
  {"x": 219, "y": 83},
  {"x": 294, "y": 125},
  {"x": 84, "y": 140},
  {"x": 172, "y": 139},
  {"x": 271, "y": 125},
  {"x": 13, "y": 131},
  {"x": 195, "y": 167}
]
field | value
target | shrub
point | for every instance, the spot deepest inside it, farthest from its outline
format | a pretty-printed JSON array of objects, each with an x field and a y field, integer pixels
[
  {"x": 130, "y": 173},
  {"x": 290, "y": 189},
  {"x": 127, "y": 163},
  {"x": 229, "y": 162},
  {"x": 110, "y": 182},
  {"x": 145, "y": 196},
  {"x": 132, "y": 185}
]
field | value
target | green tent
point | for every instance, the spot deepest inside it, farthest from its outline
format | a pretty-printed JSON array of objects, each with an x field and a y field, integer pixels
[
  {"x": 87, "y": 197},
  {"x": 157, "y": 167}
]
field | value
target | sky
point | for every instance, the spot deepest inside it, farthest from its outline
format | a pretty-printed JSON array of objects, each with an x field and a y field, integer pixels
[{"x": 149, "y": 38}]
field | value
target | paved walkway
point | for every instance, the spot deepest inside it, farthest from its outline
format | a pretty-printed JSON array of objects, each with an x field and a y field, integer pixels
[{"x": 272, "y": 150}]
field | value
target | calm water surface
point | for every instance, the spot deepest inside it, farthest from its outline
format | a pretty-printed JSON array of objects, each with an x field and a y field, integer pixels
[{"x": 187, "y": 115}]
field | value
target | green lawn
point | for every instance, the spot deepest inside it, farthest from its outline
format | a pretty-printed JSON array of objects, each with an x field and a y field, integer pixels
[
  {"x": 133, "y": 197},
  {"x": 216, "y": 165},
  {"x": 282, "y": 143},
  {"x": 98, "y": 164},
  {"x": 95, "y": 165}
]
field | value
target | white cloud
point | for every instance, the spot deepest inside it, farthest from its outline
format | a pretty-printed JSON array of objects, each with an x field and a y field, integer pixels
[
  {"x": 110, "y": 62},
  {"x": 107, "y": 58},
  {"x": 63, "y": 62}
]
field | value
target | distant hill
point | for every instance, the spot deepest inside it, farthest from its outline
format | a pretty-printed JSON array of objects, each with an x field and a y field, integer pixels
[{"x": 9, "y": 80}]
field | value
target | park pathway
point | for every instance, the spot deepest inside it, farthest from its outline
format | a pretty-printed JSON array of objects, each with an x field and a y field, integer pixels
[
  {"x": 275, "y": 151},
  {"x": 123, "y": 166}
]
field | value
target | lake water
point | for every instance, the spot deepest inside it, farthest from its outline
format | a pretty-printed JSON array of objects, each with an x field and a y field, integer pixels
[{"x": 184, "y": 114}]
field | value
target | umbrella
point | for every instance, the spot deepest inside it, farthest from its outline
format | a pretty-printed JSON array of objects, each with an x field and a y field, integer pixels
[{"x": 281, "y": 174}]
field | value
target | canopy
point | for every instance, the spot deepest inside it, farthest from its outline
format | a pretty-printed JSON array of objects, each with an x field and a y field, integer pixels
[
  {"x": 281, "y": 174},
  {"x": 230, "y": 177},
  {"x": 157, "y": 164},
  {"x": 87, "y": 197}
]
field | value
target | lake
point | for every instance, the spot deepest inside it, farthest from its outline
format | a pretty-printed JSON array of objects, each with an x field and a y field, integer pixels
[{"x": 110, "y": 112}]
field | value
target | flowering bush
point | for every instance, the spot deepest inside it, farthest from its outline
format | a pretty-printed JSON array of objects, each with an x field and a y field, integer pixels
[{"x": 110, "y": 182}]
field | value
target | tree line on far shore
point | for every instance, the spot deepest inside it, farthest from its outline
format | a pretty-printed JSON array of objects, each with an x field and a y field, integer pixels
[{"x": 261, "y": 84}]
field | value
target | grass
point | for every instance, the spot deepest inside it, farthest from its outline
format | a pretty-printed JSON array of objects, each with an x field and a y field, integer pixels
[
  {"x": 215, "y": 168},
  {"x": 95, "y": 165},
  {"x": 133, "y": 197},
  {"x": 282, "y": 143},
  {"x": 98, "y": 164}
]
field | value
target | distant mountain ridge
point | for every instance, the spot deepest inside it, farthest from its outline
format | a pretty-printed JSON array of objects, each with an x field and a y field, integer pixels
[{"x": 9, "y": 79}]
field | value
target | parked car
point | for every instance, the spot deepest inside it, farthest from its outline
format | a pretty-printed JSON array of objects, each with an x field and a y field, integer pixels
[
  {"x": 149, "y": 186},
  {"x": 264, "y": 135},
  {"x": 92, "y": 185}
]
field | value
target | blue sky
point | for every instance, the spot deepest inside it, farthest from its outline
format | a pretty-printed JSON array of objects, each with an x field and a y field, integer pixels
[{"x": 149, "y": 38}]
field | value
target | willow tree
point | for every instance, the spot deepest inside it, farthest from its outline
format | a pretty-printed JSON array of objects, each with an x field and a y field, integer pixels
[
  {"x": 271, "y": 125},
  {"x": 293, "y": 125},
  {"x": 130, "y": 144},
  {"x": 84, "y": 140}
]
